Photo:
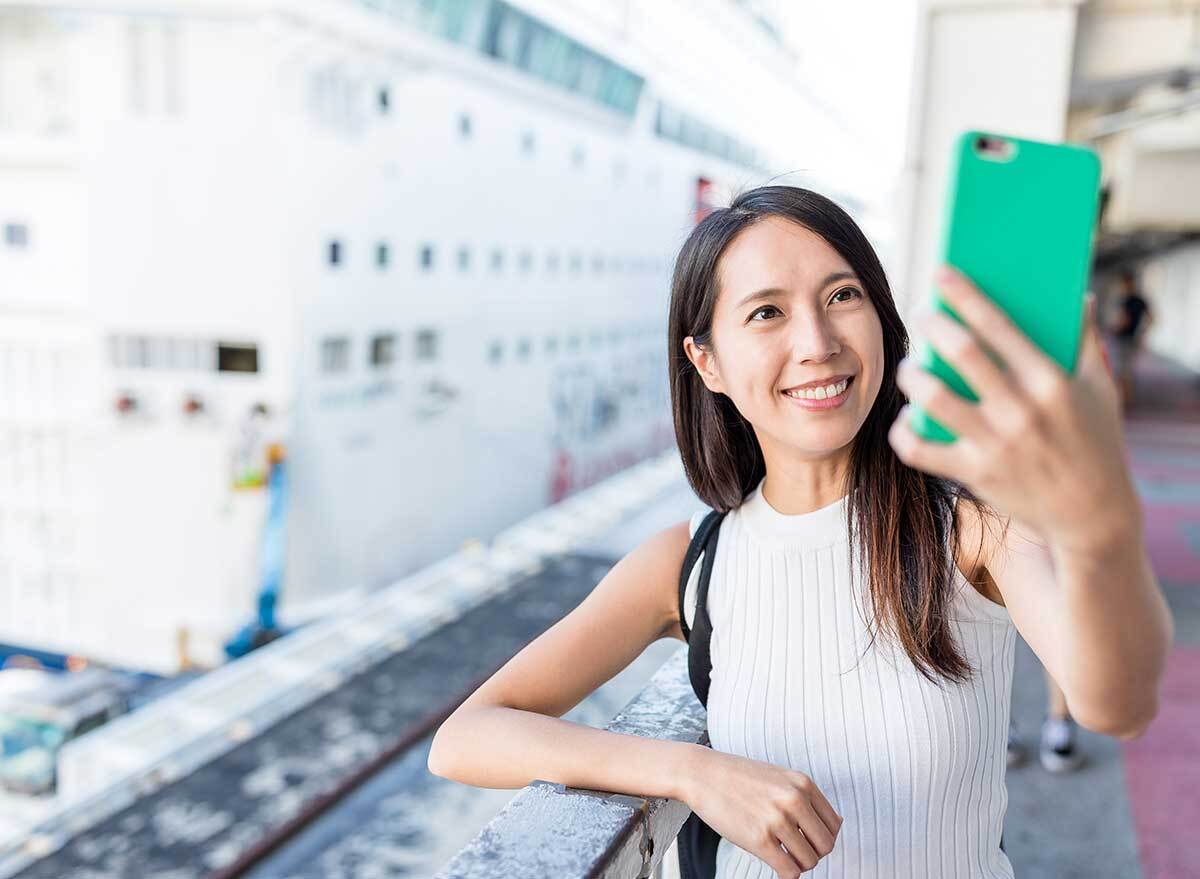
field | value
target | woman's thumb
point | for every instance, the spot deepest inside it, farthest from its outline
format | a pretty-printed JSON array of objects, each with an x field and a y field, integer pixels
[{"x": 1092, "y": 356}]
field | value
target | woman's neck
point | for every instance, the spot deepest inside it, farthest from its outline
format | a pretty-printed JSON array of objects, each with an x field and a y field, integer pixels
[{"x": 795, "y": 486}]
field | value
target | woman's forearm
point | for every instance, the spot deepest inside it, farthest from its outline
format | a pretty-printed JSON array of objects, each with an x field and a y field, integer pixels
[
  {"x": 1120, "y": 633},
  {"x": 497, "y": 747}
]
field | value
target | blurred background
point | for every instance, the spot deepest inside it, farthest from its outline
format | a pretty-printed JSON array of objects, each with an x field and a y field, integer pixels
[{"x": 333, "y": 370}]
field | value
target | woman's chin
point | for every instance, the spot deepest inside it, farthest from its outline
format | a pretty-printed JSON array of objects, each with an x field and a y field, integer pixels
[{"x": 818, "y": 442}]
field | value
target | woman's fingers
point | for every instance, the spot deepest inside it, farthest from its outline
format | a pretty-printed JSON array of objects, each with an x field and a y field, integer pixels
[
  {"x": 938, "y": 399},
  {"x": 1022, "y": 357},
  {"x": 940, "y": 459},
  {"x": 826, "y": 812},
  {"x": 798, "y": 847},
  {"x": 1093, "y": 362},
  {"x": 960, "y": 348}
]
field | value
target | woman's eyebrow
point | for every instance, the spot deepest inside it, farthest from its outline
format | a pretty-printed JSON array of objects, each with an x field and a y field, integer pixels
[{"x": 771, "y": 291}]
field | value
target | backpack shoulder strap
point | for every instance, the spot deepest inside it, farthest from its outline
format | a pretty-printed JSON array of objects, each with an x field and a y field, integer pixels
[{"x": 704, "y": 542}]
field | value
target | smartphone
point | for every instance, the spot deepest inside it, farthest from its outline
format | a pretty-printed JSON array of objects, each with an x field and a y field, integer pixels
[{"x": 1018, "y": 221}]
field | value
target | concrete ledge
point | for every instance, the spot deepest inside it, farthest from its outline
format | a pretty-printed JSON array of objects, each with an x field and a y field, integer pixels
[{"x": 573, "y": 833}]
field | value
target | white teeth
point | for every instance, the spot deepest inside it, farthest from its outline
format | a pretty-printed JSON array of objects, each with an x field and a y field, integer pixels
[{"x": 822, "y": 393}]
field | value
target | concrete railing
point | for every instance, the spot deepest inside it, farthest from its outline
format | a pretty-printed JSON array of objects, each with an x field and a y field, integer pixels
[{"x": 549, "y": 830}]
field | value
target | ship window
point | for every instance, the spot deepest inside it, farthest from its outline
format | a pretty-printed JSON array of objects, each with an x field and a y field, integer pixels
[
  {"x": 495, "y": 351},
  {"x": 576, "y": 262},
  {"x": 573, "y": 343},
  {"x": 381, "y": 255},
  {"x": 130, "y": 351},
  {"x": 335, "y": 354},
  {"x": 597, "y": 263},
  {"x": 172, "y": 353},
  {"x": 674, "y": 124},
  {"x": 464, "y": 258},
  {"x": 594, "y": 339},
  {"x": 142, "y": 352},
  {"x": 335, "y": 252},
  {"x": 526, "y": 260},
  {"x": 523, "y": 348},
  {"x": 527, "y": 142},
  {"x": 552, "y": 344},
  {"x": 552, "y": 261},
  {"x": 237, "y": 357},
  {"x": 426, "y": 256},
  {"x": 16, "y": 235},
  {"x": 189, "y": 354},
  {"x": 521, "y": 40},
  {"x": 511, "y": 35},
  {"x": 497, "y": 259},
  {"x": 383, "y": 350},
  {"x": 577, "y": 156},
  {"x": 385, "y": 100},
  {"x": 464, "y": 125},
  {"x": 426, "y": 344}
]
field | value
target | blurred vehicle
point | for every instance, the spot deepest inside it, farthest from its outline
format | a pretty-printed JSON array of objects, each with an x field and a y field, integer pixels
[{"x": 41, "y": 710}]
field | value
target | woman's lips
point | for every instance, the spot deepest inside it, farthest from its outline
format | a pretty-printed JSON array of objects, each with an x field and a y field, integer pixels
[{"x": 827, "y": 403}]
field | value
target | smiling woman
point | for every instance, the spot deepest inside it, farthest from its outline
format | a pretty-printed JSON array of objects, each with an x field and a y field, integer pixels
[
  {"x": 834, "y": 749},
  {"x": 786, "y": 346}
]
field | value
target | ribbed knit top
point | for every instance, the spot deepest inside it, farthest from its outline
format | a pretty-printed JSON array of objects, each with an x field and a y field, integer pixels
[{"x": 916, "y": 771}]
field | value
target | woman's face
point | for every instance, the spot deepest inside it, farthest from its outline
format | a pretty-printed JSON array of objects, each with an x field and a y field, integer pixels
[{"x": 791, "y": 315}]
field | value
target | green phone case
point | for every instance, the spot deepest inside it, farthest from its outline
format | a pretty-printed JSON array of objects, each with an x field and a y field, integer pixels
[{"x": 1021, "y": 229}]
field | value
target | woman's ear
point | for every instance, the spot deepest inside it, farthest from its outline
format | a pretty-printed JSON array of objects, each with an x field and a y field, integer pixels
[{"x": 705, "y": 363}]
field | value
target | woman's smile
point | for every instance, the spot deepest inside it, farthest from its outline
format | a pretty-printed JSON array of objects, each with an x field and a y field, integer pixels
[{"x": 828, "y": 396}]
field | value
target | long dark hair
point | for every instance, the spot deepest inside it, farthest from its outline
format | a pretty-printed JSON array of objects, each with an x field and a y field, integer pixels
[{"x": 901, "y": 519}]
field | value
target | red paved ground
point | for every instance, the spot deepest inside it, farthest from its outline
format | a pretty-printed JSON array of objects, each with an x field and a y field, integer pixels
[{"x": 1162, "y": 768}]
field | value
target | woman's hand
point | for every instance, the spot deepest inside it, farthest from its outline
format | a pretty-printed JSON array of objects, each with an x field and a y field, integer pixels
[
  {"x": 759, "y": 806},
  {"x": 1040, "y": 445}
]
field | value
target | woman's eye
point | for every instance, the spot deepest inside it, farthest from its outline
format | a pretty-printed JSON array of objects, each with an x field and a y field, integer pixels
[
  {"x": 854, "y": 294},
  {"x": 761, "y": 309}
]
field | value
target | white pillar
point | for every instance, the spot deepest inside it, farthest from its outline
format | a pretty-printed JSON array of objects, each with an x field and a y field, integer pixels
[{"x": 997, "y": 65}]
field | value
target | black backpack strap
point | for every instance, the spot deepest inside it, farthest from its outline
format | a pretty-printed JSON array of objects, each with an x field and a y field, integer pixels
[
  {"x": 700, "y": 633},
  {"x": 699, "y": 539}
]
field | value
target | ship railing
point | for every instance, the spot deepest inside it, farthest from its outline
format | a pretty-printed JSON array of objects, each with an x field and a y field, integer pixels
[{"x": 548, "y": 829}]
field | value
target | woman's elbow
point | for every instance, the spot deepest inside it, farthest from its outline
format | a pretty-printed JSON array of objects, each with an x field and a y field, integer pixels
[
  {"x": 1125, "y": 727},
  {"x": 437, "y": 762}
]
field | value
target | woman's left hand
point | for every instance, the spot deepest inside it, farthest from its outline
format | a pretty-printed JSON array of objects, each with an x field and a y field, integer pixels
[{"x": 1041, "y": 445}]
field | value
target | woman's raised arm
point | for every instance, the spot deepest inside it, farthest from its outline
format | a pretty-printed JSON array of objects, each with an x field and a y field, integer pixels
[{"x": 1045, "y": 448}]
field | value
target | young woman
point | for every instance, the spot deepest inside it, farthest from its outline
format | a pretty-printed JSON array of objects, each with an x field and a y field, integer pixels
[{"x": 832, "y": 748}]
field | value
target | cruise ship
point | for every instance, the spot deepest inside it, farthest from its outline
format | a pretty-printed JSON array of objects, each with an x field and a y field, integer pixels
[{"x": 416, "y": 251}]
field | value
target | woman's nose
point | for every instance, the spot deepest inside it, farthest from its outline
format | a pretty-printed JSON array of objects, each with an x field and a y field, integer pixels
[{"x": 814, "y": 341}]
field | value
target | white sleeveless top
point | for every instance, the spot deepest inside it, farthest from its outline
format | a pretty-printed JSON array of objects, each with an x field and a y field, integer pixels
[{"x": 916, "y": 772}]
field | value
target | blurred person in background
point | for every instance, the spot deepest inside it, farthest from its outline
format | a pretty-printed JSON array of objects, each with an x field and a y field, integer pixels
[{"x": 1057, "y": 749}]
